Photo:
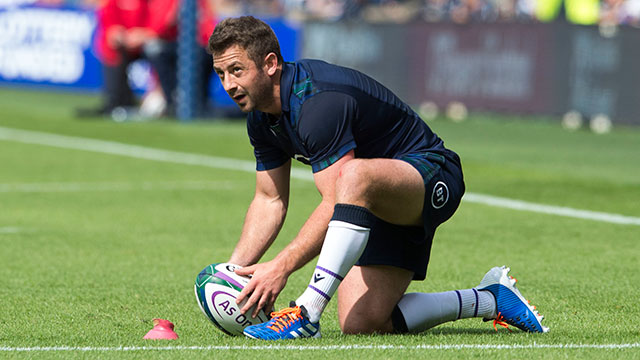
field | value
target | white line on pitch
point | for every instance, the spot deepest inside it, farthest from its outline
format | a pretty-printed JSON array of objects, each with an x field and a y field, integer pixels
[
  {"x": 548, "y": 209},
  {"x": 115, "y": 186},
  {"x": 141, "y": 152},
  {"x": 327, "y": 347},
  {"x": 10, "y": 230}
]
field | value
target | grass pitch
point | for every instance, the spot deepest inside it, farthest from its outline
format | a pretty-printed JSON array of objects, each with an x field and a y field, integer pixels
[{"x": 96, "y": 245}]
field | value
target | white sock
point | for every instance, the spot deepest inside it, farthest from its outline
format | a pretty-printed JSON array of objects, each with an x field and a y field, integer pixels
[
  {"x": 342, "y": 247},
  {"x": 422, "y": 311}
]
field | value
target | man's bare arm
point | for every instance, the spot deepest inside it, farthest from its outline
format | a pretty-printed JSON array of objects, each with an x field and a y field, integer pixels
[
  {"x": 269, "y": 278},
  {"x": 265, "y": 216}
]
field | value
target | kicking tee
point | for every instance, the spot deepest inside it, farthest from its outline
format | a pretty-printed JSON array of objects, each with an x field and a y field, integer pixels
[{"x": 329, "y": 110}]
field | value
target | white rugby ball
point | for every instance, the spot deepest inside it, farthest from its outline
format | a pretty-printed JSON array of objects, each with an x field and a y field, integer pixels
[{"x": 217, "y": 287}]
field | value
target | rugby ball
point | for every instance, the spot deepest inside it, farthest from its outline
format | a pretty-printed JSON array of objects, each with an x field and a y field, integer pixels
[{"x": 216, "y": 288}]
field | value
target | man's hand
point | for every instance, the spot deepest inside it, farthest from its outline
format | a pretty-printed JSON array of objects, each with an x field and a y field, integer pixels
[
  {"x": 268, "y": 280},
  {"x": 116, "y": 36},
  {"x": 136, "y": 37}
]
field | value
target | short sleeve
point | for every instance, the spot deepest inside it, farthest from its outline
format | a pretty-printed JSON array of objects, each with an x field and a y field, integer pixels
[
  {"x": 268, "y": 156},
  {"x": 325, "y": 127}
]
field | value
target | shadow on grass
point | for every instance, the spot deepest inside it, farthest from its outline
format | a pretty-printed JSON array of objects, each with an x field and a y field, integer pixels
[
  {"x": 446, "y": 331},
  {"x": 431, "y": 334}
]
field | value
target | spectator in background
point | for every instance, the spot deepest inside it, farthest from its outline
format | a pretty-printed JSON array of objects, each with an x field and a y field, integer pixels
[
  {"x": 391, "y": 11},
  {"x": 465, "y": 11},
  {"x": 129, "y": 30},
  {"x": 631, "y": 11},
  {"x": 619, "y": 12},
  {"x": 610, "y": 12},
  {"x": 436, "y": 10},
  {"x": 126, "y": 28},
  {"x": 525, "y": 10},
  {"x": 265, "y": 7}
]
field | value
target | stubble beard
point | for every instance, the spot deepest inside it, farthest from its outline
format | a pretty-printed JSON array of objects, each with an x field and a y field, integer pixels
[{"x": 262, "y": 98}]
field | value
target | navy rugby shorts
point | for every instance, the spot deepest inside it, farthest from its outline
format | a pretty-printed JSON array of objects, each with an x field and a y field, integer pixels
[{"x": 409, "y": 247}]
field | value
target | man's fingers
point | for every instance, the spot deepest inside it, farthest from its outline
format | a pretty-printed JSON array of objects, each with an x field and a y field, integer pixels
[
  {"x": 254, "y": 298},
  {"x": 261, "y": 304},
  {"x": 245, "y": 293},
  {"x": 245, "y": 270},
  {"x": 241, "y": 272},
  {"x": 261, "y": 291},
  {"x": 248, "y": 289}
]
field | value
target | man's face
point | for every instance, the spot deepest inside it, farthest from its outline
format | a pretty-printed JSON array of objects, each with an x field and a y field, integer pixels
[{"x": 247, "y": 84}]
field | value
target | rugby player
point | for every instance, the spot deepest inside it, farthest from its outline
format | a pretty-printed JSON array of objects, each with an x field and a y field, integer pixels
[{"x": 386, "y": 181}]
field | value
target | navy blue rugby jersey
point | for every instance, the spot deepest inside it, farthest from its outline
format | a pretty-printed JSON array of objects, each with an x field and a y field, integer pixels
[{"x": 328, "y": 110}]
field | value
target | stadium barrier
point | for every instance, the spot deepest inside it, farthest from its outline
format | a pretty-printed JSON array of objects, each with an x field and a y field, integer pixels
[
  {"x": 546, "y": 69},
  {"x": 500, "y": 67},
  {"x": 48, "y": 47}
]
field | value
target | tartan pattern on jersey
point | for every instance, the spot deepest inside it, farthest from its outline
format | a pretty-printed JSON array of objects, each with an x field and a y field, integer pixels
[
  {"x": 428, "y": 164},
  {"x": 303, "y": 89}
]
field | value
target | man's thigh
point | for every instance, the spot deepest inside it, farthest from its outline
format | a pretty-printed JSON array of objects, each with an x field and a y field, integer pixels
[
  {"x": 367, "y": 296},
  {"x": 394, "y": 189}
]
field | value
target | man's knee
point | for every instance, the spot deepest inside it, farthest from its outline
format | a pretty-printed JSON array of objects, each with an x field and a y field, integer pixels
[
  {"x": 365, "y": 324},
  {"x": 354, "y": 182}
]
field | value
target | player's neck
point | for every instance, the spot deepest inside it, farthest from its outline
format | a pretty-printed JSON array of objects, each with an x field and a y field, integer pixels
[{"x": 275, "y": 108}]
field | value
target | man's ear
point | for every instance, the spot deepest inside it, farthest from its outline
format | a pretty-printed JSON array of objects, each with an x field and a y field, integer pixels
[{"x": 271, "y": 63}]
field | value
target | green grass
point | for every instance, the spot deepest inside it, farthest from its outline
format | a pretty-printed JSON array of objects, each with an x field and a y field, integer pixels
[{"x": 92, "y": 266}]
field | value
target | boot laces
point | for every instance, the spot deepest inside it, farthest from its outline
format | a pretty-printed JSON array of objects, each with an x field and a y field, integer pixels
[
  {"x": 283, "y": 318},
  {"x": 499, "y": 320}
]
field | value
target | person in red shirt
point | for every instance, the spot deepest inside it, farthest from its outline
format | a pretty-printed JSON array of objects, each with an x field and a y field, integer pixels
[{"x": 132, "y": 29}]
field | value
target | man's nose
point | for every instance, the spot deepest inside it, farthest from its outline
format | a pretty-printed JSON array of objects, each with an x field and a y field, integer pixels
[{"x": 229, "y": 84}]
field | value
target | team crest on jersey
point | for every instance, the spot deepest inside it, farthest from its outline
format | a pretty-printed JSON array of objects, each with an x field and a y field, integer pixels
[{"x": 440, "y": 195}]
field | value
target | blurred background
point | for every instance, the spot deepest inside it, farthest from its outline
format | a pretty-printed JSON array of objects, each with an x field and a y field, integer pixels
[{"x": 146, "y": 59}]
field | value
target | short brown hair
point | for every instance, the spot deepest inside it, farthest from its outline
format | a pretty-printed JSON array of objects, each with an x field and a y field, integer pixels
[{"x": 251, "y": 34}]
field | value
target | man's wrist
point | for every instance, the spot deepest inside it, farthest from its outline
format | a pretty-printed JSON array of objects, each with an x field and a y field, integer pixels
[
  {"x": 239, "y": 261},
  {"x": 285, "y": 262}
]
